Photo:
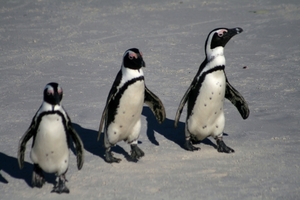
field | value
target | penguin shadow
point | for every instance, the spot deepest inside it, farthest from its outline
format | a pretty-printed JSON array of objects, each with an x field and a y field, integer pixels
[
  {"x": 168, "y": 130},
  {"x": 89, "y": 140},
  {"x": 10, "y": 166}
]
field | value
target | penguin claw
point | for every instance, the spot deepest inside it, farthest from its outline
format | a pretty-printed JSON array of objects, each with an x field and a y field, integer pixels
[
  {"x": 222, "y": 147},
  {"x": 110, "y": 158},
  {"x": 136, "y": 152},
  {"x": 188, "y": 146}
]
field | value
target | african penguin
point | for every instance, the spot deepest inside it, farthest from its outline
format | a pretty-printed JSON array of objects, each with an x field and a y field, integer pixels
[
  {"x": 205, "y": 96},
  {"x": 51, "y": 129},
  {"x": 122, "y": 112}
]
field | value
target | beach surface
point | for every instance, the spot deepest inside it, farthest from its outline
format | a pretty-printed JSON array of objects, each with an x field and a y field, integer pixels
[{"x": 80, "y": 45}]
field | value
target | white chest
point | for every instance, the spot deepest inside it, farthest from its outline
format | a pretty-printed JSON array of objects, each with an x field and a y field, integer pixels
[
  {"x": 131, "y": 104},
  {"x": 128, "y": 112},
  {"x": 207, "y": 115},
  {"x": 212, "y": 91},
  {"x": 50, "y": 149}
]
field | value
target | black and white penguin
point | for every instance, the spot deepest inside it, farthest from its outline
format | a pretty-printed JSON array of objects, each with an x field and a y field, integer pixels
[
  {"x": 122, "y": 112},
  {"x": 51, "y": 129},
  {"x": 205, "y": 96}
]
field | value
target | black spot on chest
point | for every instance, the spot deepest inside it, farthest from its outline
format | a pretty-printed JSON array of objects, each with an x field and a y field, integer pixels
[
  {"x": 195, "y": 92},
  {"x": 115, "y": 102}
]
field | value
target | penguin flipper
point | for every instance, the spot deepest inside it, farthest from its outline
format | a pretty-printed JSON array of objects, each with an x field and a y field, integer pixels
[
  {"x": 155, "y": 105},
  {"x": 111, "y": 95},
  {"x": 237, "y": 100},
  {"x": 22, "y": 144},
  {"x": 183, "y": 102},
  {"x": 104, "y": 115},
  {"x": 78, "y": 146},
  {"x": 102, "y": 122}
]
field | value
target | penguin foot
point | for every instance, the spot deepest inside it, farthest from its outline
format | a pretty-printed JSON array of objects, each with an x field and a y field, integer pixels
[
  {"x": 110, "y": 158},
  {"x": 38, "y": 178},
  {"x": 189, "y": 146},
  {"x": 61, "y": 185},
  {"x": 194, "y": 140},
  {"x": 136, "y": 152},
  {"x": 222, "y": 147}
]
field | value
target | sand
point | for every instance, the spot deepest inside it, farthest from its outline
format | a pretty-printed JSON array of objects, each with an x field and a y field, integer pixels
[{"x": 80, "y": 44}]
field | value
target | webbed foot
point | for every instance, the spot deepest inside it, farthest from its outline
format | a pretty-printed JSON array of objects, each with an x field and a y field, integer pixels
[
  {"x": 136, "y": 152},
  {"x": 110, "y": 158},
  {"x": 61, "y": 185},
  {"x": 38, "y": 179},
  {"x": 189, "y": 146},
  {"x": 222, "y": 147}
]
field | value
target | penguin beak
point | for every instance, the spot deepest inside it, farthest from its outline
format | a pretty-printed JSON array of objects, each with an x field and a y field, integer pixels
[
  {"x": 230, "y": 33},
  {"x": 57, "y": 99},
  {"x": 234, "y": 31}
]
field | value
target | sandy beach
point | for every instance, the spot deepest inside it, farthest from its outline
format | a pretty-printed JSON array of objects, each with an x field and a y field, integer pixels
[{"x": 80, "y": 45}]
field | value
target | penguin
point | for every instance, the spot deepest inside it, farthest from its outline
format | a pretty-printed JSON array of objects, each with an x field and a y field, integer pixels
[
  {"x": 122, "y": 112},
  {"x": 52, "y": 131},
  {"x": 205, "y": 96}
]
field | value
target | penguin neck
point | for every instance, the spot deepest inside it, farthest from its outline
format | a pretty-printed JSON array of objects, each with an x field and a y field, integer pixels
[
  {"x": 53, "y": 106},
  {"x": 216, "y": 56},
  {"x": 128, "y": 74},
  {"x": 47, "y": 107}
]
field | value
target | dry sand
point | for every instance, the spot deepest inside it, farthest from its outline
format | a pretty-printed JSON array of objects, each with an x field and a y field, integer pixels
[{"x": 80, "y": 44}]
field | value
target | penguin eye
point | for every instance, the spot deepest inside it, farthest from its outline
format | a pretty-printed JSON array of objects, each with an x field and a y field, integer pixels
[
  {"x": 221, "y": 33},
  {"x": 132, "y": 55},
  {"x": 50, "y": 92}
]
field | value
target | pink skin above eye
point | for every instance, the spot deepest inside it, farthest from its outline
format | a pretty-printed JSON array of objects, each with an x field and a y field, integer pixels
[
  {"x": 132, "y": 55},
  {"x": 50, "y": 91},
  {"x": 221, "y": 32},
  {"x": 59, "y": 90}
]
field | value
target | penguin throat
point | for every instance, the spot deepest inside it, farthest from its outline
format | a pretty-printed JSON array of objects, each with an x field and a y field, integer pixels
[
  {"x": 214, "y": 53},
  {"x": 214, "y": 56},
  {"x": 53, "y": 107}
]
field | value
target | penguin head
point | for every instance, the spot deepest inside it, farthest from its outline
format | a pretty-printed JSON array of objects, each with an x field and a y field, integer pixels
[
  {"x": 218, "y": 38},
  {"x": 53, "y": 93},
  {"x": 133, "y": 59}
]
